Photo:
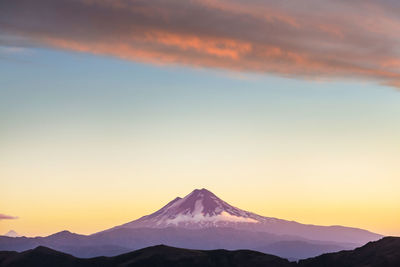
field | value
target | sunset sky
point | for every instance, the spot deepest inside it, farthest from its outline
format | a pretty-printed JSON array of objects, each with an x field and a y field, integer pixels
[{"x": 110, "y": 109}]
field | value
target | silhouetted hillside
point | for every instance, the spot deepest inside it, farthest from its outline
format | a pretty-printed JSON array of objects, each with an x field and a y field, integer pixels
[
  {"x": 382, "y": 253},
  {"x": 152, "y": 256}
]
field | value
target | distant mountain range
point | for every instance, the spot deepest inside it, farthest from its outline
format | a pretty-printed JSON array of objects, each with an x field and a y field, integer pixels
[
  {"x": 11, "y": 233},
  {"x": 201, "y": 220},
  {"x": 382, "y": 253}
]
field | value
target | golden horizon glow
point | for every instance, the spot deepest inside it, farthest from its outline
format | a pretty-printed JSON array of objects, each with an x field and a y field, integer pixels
[
  {"x": 88, "y": 218},
  {"x": 120, "y": 185}
]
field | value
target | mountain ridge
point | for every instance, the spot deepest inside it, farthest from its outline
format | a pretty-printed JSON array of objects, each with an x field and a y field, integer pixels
[
  {"x": 11, "y": 233},
  {"x": 384, "y": 252},
  {"x": 201, "y": 220}
]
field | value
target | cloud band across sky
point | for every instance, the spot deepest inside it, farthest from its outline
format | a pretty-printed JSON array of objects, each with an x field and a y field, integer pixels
[
  {"x": 313, "y": 39},
  {"x": 7, "y": 217}
]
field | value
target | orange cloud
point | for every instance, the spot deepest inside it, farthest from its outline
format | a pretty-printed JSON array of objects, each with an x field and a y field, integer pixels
[{"x": 329, "y": 41}]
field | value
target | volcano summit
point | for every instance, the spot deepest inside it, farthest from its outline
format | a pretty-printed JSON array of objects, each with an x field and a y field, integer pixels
[{"x": 199, "y": 209}]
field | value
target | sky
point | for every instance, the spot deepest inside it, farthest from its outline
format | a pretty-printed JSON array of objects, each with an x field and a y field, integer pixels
[{"x": 108, "y": 115}]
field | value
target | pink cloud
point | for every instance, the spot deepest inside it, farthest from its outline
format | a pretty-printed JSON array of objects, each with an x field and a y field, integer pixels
[{"x": 312, "y": 40}]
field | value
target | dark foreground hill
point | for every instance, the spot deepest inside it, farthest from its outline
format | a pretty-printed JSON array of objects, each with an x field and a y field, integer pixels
[
  {"x": 382, "y": 253},
  {"x": 157, "y": 256}
]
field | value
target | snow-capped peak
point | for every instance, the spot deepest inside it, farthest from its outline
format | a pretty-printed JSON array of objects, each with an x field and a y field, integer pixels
[
  {"x": 12, "y": 233},
  {"x": 201, "y": 208}
]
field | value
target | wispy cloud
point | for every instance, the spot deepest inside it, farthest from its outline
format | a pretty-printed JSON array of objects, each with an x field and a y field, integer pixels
[
  {"x": 313, "y": 39},
  {"x": 11, "y": 50},
  {"x": 7, "y": 217}
]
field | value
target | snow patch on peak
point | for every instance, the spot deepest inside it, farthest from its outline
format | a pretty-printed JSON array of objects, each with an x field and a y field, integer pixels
[
  {"x": 225, "y": 216},
  {"x": 198, "y": 207},
  {"x": 198, "y": 217}
]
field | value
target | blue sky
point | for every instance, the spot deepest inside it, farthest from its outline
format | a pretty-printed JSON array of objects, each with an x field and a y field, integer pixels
[{"x": 96, "y": 125}]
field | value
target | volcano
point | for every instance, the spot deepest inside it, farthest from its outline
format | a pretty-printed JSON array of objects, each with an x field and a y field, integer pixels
[{"x": 202, "y": 209}]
